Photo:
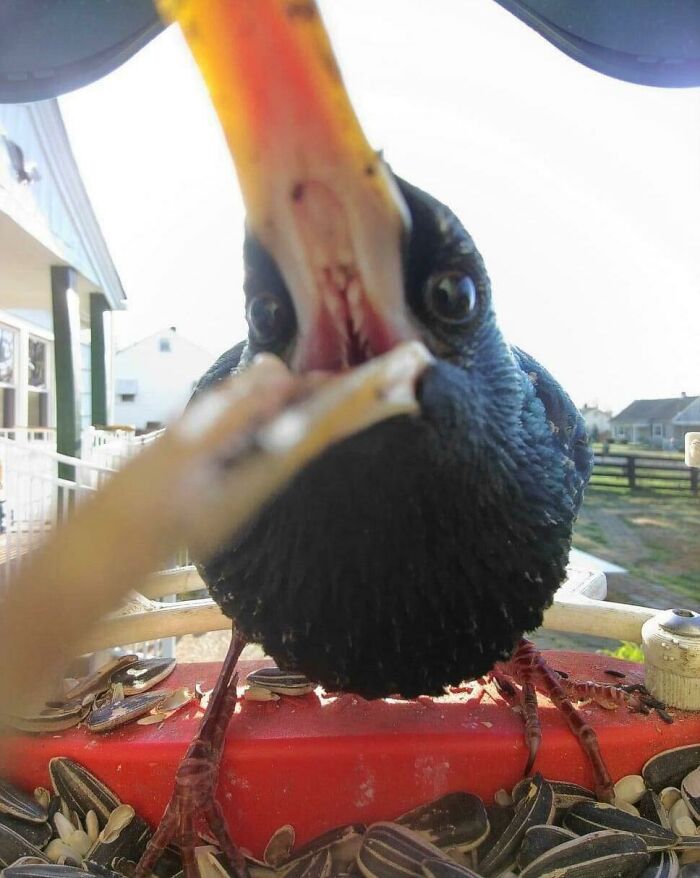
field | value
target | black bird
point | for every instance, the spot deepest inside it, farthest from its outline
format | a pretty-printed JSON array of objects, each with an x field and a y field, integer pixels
[{"x": 416, "y": 554}]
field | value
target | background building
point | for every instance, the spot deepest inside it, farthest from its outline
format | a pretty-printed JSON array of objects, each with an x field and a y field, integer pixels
[
  {"x": 155, "y": 378},
  {"x": 659, "y": 423},
  {"x": 57, "y": 284},
  {"x": 597, "y": 422}
]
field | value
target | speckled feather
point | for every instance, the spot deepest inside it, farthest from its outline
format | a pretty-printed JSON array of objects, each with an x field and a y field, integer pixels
[{"x": 416, "y": 554}]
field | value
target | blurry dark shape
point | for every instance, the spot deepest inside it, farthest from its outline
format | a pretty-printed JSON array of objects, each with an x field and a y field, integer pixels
[
  {"x": 49, "y": 47},
  {"x": 25, "y": 171}
]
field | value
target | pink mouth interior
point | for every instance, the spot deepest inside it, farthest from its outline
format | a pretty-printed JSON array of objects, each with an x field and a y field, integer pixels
[{"x": 347, "y": 330}]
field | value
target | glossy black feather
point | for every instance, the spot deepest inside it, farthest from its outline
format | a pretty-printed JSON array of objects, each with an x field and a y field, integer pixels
[{"x": 416, "y": 554}]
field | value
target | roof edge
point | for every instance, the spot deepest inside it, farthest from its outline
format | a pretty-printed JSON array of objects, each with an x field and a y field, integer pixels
[{"x": 48, "y": 121}]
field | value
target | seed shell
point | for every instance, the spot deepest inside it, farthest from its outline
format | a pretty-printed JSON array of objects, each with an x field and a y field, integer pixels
[
  {"x": 454, "y": 820},
  {"x": 281, "y": 682},
  {"x": 45, "y": 870},
  {"x": 446, "y": 869},
  {"x": 650, "y": 808},
  {"x": 100, "y": 680},
  {"x": 662, "y": 865},
  {"x": 392, "y": 851},
  {"x": 690, "y": 790},
  {"x": 13, "y": 846},
  {"x": 17, "y": 803},
  {"x": 536, "y": 807},
  {"x": 342, "y": 841},
  {"x": 143, "y": 675},
  {"x": 38, "y": 834},
  {"x": 588, "y": 817},
  {"x": 279, "y": 846},
  {"x": 118, "y": 713},
  {"x": 540, "y": 839},
  {"x": 598, "y": 855},
  {"x": 81, "y": 790},
  {"x": 124, "y": 835},
  {"x": 668, "y": 769}
]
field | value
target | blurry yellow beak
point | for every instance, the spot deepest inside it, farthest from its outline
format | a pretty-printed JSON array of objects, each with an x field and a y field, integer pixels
[{"x": 318, "y": 198}]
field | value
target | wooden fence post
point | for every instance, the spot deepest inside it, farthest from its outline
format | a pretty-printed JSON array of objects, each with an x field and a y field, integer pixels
[
  {"x": 694, "y": 480},
  {"x": 631, "y": 475}
]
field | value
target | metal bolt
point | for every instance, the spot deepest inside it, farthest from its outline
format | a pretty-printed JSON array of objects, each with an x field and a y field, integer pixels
[{"x": 680, "y": 622}]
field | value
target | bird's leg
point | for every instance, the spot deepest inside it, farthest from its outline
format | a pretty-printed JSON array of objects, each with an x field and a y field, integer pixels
[
  {"x": 523, "y": 700},
  {"x": 528, "y": 667},
  {"x": 193, "y": 800}
]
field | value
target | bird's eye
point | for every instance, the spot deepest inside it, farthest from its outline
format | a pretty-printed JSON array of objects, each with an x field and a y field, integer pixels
[
  {"x": 268, "y": 318},
  {"x": 452, "y": 298}
]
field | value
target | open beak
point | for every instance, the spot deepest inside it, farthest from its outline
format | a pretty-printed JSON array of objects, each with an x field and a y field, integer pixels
[{"x": 318, "y": 198}]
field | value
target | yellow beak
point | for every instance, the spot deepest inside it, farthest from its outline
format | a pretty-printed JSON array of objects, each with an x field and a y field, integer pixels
[{"x": 318, "y": 198}]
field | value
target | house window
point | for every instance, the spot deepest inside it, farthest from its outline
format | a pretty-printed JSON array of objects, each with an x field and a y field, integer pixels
[
  {"x": 658, "y": 430},
  {"x": 621, "y": 432},
  {"x": 164, "y": 345},
  {"x": 37, "y": 385},
  {"x": 8, "y": 375},
  {"x": 127, "y": 397}
]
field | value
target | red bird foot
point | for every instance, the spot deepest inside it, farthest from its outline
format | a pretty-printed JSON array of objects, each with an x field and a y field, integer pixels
[
  {"x": 193, "y": 808},
  {"x": 527, "y": 672}
]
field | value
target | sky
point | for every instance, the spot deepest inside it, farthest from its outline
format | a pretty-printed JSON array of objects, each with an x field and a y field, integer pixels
[{"x": 580, "y": 191}]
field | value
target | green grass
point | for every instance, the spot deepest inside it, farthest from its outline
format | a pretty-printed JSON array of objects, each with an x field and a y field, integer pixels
[{"x": 654, "y": 535}]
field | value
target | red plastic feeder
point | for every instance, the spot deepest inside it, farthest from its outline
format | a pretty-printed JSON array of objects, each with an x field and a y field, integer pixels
[{"x": 317, "y": 764}]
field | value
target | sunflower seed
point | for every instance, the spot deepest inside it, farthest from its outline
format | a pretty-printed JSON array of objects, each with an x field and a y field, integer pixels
[
  {"x": 690, "y": 790},
  {"x": 630, "y": 789},
  {"x": 663, "y": 865},
  {"x": 117, "y": 713},
  {"x": 13, "y": 846},
  {"x": 588, "y": 817},
  {"x": 668, "y": 769},
  {"x": 208, "y": 864},
  {"x": 59, "y": 852},
  {"x": 392, "y": 851},
  {"x": 454, "y": 820},
  {"x": 92, "y": 826},
  {"x": 124, "y": 835},
  {"x": 540, "y": 839},
  {"x": 142, "y": 675},
  {"x": 279, "y": 846},
  {"x": 342, "y": 841},
  {"x": 565, "y": 793},
  {"x": 257, "y": 693},
  {"x": 650, "y": 808},
  {"x": 43, "y": 797},
  {"x": 281, "y": 682},
  {"x": 81, "y": 789},
  {"x": 684, "y": 826},
  {"x": 38, "y": 834},
  {"x": 599, "y": 855},
  {"x": 536, "y": 807},
  {"x": 51, "y": 719},
  {"x": 319, "y": 866},
  {"x": 669, "y": 796},
  {"x": 445, "y": 868},
  {"x": 17, "y": 803},
  {"x": 678, "y": 809},
  {"x": 499, "y": 817},
  {"x": 44, "y": 870},
  {"x": 100, "y": 680}
]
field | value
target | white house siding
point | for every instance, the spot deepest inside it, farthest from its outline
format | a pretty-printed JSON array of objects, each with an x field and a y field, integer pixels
[{"x": 161, "y": 381}]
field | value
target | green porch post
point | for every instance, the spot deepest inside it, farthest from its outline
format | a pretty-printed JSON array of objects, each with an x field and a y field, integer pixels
[
  {"x": 99, "y": 309},
  {"x": 66, "y": 328}
]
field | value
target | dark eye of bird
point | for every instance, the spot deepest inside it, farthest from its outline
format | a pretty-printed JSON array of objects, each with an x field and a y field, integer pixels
[
  {"x": 451, "y": 297},
  {"x": 268, "y": 318}
]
